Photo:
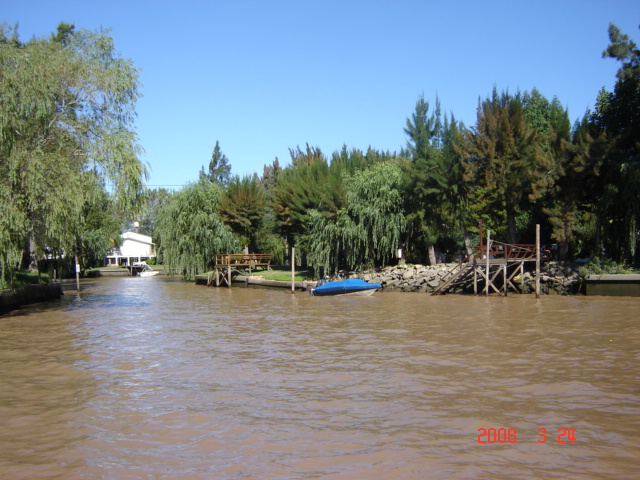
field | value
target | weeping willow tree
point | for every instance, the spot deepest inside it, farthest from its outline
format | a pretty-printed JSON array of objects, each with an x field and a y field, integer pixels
[
  {"x": 367, "y": 231},
  {"x": 191, "y": 230},
  {"x": 66, "y": 119}
]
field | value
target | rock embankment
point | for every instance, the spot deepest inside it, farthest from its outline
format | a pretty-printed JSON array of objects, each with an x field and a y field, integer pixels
[{"x": 560, "y": 278}]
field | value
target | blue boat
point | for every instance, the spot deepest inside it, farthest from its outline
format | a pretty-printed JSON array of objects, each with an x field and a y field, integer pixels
[{"x": 351, "y": 286}]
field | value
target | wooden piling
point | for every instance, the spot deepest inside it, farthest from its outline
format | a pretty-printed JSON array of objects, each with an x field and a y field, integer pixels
[
  {"x": 488, "y": 282},
  {"x": 538, "y": 261}
]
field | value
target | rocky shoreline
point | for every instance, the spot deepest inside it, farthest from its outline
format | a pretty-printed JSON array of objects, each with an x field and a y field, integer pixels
[{"x": 556, "y": 278}]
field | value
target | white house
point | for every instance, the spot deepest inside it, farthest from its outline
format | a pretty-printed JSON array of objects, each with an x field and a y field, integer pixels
[{"x": 135, "y": 248}]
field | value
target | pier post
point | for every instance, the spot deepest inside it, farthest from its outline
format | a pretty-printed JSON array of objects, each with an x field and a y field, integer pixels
[
  {"x": 506, "y": 280},
  {"x": 538, "y": 261},
  {"x": 293, "y": 270},
  {"x": 475, "y": 276},
  {"x": 77, "y": 273},
  {"x": 486, "y": 292}
]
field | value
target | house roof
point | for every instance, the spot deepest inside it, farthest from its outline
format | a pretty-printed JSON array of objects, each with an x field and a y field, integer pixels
[{"x": 137, "y": 237}]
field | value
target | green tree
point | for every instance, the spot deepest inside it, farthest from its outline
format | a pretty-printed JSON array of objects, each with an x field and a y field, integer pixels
[
  {"x": 219, "y": 167},
  {"x": 573, "y": 165},
  {"x": 617, "y": 117},
  {"x": 436, "y": 200},
  {"x": 571, "y": 201},
  {"x": 504, "y": 155},
  {"x": 350, "y": 161},
  {"x": 270, "y": 174},
  {"x": 366, "y": 232},
  {"x": 242, "y": 207},
  {"x": 154, "y": 199},
  {"x": 68, "y": 105},
  {"x": 191, "y": 229},
  {"x": 102, "y": 225},
  {"x": 308, "y": 184}
]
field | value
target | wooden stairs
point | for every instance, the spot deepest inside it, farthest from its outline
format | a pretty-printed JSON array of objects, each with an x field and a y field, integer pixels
[{"x": 502, "y": 258}]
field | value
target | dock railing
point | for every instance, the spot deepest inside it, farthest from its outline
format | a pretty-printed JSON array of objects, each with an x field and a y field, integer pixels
[
  {"x": 251, "y": 260},
  {"x": 505, "y": 251}
]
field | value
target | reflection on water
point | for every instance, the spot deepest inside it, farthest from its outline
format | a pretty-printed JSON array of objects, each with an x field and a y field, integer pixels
[{"x": 157, "y": 378}]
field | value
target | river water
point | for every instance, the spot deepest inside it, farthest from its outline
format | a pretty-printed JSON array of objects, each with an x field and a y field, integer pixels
[{"x": 155, "y": 378}]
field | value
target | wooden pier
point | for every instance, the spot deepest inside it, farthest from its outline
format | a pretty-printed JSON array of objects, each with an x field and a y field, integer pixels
[
  {"x": 502, "y": 258},
  {"x": 227, "y": 265},
  {"x": 486, "y": 263}
]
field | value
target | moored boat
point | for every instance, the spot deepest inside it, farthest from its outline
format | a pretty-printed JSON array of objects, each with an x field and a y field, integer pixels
[
  {"x": 351, "y": 286},
  {"x": 146, "y": 271}
]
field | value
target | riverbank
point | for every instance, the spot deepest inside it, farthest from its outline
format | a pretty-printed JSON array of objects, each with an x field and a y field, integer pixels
[
  {"x": 28, "y": 294},
  {"x": 556, "y": 278},
  {"x": 119, "y": 271}
]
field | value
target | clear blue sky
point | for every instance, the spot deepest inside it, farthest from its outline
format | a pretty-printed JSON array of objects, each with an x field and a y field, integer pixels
[{"x": 265, "y": 76}]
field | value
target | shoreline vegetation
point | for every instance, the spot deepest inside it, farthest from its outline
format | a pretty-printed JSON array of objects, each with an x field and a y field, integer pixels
[
  {"x": 524, "y": 169},
  {"x": 557, "y": 278}
]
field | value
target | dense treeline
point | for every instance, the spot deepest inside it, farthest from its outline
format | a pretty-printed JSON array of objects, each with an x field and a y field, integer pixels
[{"x": 523, "y": 163}]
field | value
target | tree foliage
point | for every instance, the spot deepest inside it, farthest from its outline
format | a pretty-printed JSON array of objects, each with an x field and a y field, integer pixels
[
  {"x": 219, "y": 168},
  {"x": 308, "y": 184},
  {"x": 67, "y": 111},
  {"x": 366, "y": 232},
  {"x": 617, "y": 118},
  {"x": 436, "y": 200},
  {"x": 504, "y": 155},
  {"x": 191, "y": 230},
  {"x": 242, "y": 207}
]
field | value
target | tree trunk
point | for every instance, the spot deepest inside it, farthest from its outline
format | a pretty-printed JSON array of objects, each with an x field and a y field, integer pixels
[
  {"x": 33, "y": 258},
  {"x": 467, "y": 242},
  {"x": 431, "y": 249},
  {"x": 563, "y": 250}
]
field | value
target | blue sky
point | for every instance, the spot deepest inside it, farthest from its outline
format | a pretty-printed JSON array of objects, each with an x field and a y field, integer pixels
[{"x": 265, "y": 76}]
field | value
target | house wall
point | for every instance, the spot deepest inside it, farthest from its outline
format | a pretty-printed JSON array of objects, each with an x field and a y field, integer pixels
[
  {"x": 134, "y": 246},
  {"x": 131, "y": 248}
]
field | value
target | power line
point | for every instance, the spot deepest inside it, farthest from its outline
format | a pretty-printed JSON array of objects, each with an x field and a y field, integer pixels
[{"x": 153, "y": 185}]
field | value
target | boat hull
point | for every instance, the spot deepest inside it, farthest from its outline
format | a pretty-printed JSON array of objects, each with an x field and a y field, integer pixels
[
  {"x": 148, "y": 274},
  {"x": 352, "y": 286}
]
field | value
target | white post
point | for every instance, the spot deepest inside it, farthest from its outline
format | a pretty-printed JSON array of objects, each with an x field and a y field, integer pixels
[
  {"x": 293, "y": 270},
  {"x": 77, "y": 273}
]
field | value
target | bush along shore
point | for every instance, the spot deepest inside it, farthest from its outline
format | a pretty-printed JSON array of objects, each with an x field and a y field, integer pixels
[{"x": 556, "y": 278}]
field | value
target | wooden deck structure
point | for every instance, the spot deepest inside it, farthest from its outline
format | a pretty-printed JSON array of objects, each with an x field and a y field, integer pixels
[
  {"x": 486, "y": 263},
  {"x": 228, "y": 264}
]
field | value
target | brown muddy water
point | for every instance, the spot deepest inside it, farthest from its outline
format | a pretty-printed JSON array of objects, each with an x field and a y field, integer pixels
[{"x": 154, "y": 378}]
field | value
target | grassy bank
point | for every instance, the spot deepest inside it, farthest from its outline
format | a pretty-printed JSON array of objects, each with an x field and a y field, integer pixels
[
  {"x": 282, "y": 273},
  {"x": 27, "y": 278}
]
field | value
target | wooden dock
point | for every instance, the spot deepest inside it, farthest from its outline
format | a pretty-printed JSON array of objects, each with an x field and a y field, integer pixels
[
  {"x": 485, "y": 265},
  {"x": 229, "y": 264}
]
